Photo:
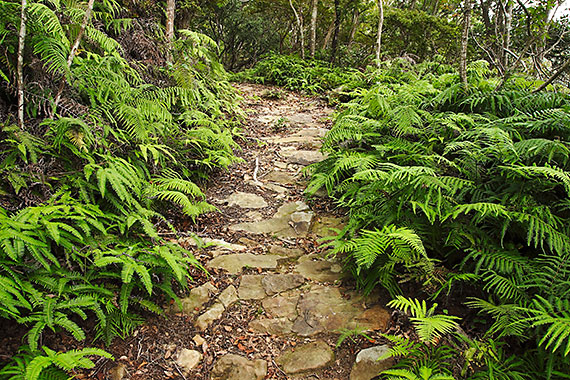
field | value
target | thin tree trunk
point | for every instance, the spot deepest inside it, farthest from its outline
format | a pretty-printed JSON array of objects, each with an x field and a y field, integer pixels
[
  {"x": 336, "y": 29},
  {"x": 355, "y": 22},
  {"x": 20, "y": 68},
  {"x": 553, "y": 76},
  {"x": 300, "y": 27},
  {"x": 314, "y": 12},
  {"x": 328, "y": 36},
  {"x": 170, "y": 7},
  {"x": 379, "y": 35},
  {"x": 507, "y": 33},
  {"x": 73, "y": 52},
  {"x": 464, "y": 42}
]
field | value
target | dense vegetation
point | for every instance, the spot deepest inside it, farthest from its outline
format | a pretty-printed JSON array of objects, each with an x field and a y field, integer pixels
[{"x": 88, "y": 185}]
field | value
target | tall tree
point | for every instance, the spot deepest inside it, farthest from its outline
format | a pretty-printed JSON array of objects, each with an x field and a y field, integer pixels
[
  {"x": 20, "y": 67},
  {"x": 170, "y": 7},
  {"x": 336, "y": 29},
  {"x": 300, "y": 28},
  {"x": 380, "y": 26},
  {"x": 314, "y": 11},
  {"x": 464, "y": 41}
]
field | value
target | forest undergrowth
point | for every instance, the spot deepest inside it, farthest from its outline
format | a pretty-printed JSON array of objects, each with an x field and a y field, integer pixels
[{"x": 460, "y": 192}]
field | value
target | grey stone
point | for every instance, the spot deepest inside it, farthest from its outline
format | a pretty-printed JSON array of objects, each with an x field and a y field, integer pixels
[
  {"x": 212, "y": 314},
  {"x": 301, "y": 118},
  {"x": 246, "y": 200},
  {"x": 235, "y": 367},
  {"x": 302, "y": 221},
  {"x": 322, "y": 270},
  {"x": 198, "y": 297},
  {"x": 250, "y": 288},
  {"x": 303, "y": 157},
  {"x": 280, "y": 224},
  {"x": 275, "y": 188},
  {"x": 188, "y": 359},
  {"x": 273, "y": 326},
  {"x": 224, "y": 245},
  {"x": 367, "y": 366},
  {"x": 288, "y": 252},
  {"x": 234, "y": 263},
  {"x": 280, "y": 178},
  {"x": 307, "y": 357},
  {"x": 280, "y": 164},
  {"x": 277, "y": 283},
  {"x": 282, "y": 306},
  {"x": 229, "y": 296}
]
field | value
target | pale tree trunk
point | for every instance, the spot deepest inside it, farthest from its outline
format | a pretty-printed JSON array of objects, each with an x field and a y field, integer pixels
[
  {"x": 328, "y": 36},
  {"x": 314, "y": 11},
  {"x": 170, "y": 7},
  {"x": 73, "y": 51},
  {"x": 464, "y": 42},
  {"x": 300, "y": 27},
  {"x": 20, "y": 67},
  {"x": 336, "y": 29},
  {"x": 507, "y": 33},
  {"x": 379, "y": 35}
]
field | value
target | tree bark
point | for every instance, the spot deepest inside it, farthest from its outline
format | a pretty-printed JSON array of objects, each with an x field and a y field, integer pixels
[
  {"x": 336, "y": 29},
  {"x": 314, "y": 11},
  {"x": 507, "y": 33},
  {"x": 170, "y": 7},
  {"x": 553, "y": 76},
  {"x": 379, "y": 35},
  {"x": 464, "y": 42},
  {"x": 355, "y": 23},
  {"x": 20, "y": 67},
  {"x": 300, "y": 27},
  {"x": 328, "y": 36},
  {"x": 73, "y": 52}
]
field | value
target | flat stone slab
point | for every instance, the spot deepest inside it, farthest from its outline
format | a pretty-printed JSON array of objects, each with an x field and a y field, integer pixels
[
  {"x": 302, "y": 157},
  {"x": 234, "y": 263},
  {"x": 291, "y": 220},
  {"x": 319, "y": 270},
  {"x": 367, "y": 366},
  {"x": 277, "y": 283},
  {"x": 229, "y": 296},
  {"x": 280, "y": 177},
  {"x": 282, "y": 306},
  {"x": 272, "y": 326},
  {"x": 236, "y": 367},
  {"x": 326, "y": 225},
  {"x": 198, "y": 297},
  {"x": 307, "y": 357},
  {"x": 287, "y": 252},
  {"x": 245, "y": 200},
  {"x": 250, "y": 288}
]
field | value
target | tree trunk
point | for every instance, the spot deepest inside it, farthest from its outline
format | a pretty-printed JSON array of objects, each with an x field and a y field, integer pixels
[
  {"x": 170, "y": 7},
  {"x": 355, "y": 23},
  {"x": 73, "y": 52},
  {"x": 553, "y": 76},
  {"x": 464, "y": 42},
  {"x": 379, "y": 35},
  {"x": 336, "y": 29},
  {"x": 314, "y": 11},
  {"x": 300, "y": 27},
  {"x": 20, "y": 68},
  {"x": 508, "y": 21},
  {"x": 328, "y": 36}
]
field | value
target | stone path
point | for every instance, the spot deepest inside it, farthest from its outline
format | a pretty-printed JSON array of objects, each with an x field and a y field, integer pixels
[{"x": 297, "y": 292}]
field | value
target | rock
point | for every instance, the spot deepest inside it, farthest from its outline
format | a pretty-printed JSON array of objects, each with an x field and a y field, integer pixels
[
  {"x": 212, "y": 314},
  {"x": 277, "y": 283},
  {"x": 278, "y": 225},
  {"x": 198, "y": 297},
  {"x": 246, "y": 200},
  {"x": 273, "y": 326},
  {"x": 323, "y": 309},
  {"x": 250, "y": 288},
  {"x": 234, "y": 263},
  {"x": 280, "y": 177},
  {"x": 321, "y": 271},
  {"x": 188, "y": 359},
  {"x": 302, "y": 221},
  {"x": 254, "y": 215},
  {"x": 288, "y": 252},
  {"x": 307, "y": 357},
  {"x": 275, "y": 188},
  {"x": 224, "y": 245},
  {"x": 198, "y": 340},
  {"x": 280, "y": 164},
  {"x": 303, "y": 157},
  {"x": 325, "y": 225},
  {"x": 375, "y": 318},
  {"x": 229, "y": 296},
  {"x": 235, "y": 367},
  {"x": 248, "y": 242},
  {"x": 300, "y": 118},
  {"x": 282, "y": 306},
  {"x": 118, "y": 372},
  {"x": 366, "y": 365}
]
